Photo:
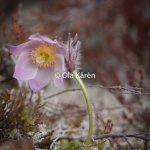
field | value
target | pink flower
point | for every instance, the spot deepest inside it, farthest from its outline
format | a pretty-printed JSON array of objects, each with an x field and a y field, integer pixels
[
  {"x": 38, "y": 60},
  {"x": 72, "y": 53}
]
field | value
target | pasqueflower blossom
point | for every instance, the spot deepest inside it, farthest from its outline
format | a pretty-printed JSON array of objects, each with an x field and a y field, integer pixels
[
  {"x": 72, "y": 56},
  {"x": 39, "y": 59}
]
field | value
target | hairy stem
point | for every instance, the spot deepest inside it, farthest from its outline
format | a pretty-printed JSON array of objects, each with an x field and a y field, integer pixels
[{"x": 88, "y": 107}]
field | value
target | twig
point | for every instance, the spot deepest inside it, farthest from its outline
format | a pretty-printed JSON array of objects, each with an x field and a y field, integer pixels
[
  {"x": 130, "y": 90},
  {"x": 72, "y": 90},
  {"x": 65, "y": 91},
  {"x": 120, "y": 135},
  {"x": 129, "y": 143},
  {"x": 106, "y": 136},
  {"x": 113, "y": 89}
]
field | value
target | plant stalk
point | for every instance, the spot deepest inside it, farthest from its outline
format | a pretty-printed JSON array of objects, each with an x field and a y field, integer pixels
[{"x": 90, "y": 131}]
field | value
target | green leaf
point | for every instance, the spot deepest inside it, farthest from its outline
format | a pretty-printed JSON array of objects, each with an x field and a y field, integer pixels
[
  {"x": 74, "y": 144},
  {"x": 64, "y": 144}
]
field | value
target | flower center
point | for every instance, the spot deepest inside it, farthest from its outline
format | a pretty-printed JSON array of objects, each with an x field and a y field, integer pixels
[{"x": 44, "y": 55}]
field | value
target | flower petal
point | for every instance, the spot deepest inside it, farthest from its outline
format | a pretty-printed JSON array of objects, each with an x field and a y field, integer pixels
[
  {"x": 41, "y": 38},
  {"x": 24, "y": 68},
  {"x": 24, "y": 47},
  {"x": 59, "y": 68},
  {"x": 59, "y": 47},
  {"x": 42, "y": 78}
]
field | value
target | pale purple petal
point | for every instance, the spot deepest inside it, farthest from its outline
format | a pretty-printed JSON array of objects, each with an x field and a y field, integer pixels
[
  {"x": 24, "y": 68},
  {"x": 59, "y": 68},
  {"x": 41, "y": 38},
  {"x": 24, "y": 47},
  {"x": 58, "y": 46},
  {"x": 58, "y": 80},
  {"x": 42, "y": 78}
]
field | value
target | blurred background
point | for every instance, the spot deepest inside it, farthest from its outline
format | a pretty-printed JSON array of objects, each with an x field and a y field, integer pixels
[
  {"x": 115, "y": 37},
  {"x": 114, "y": 34}
]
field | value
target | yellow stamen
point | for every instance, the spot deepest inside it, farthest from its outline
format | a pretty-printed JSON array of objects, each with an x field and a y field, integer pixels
[{"x": 44, "y": 55}]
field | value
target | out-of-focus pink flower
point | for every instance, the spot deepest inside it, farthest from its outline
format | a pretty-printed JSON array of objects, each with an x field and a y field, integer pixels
[
  {"x": 38, "y": 60},
  {"x": 72, "y": 56}
]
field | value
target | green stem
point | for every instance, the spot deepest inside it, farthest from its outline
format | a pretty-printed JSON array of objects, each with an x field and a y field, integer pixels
[{"x": 88, "y": 106}]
